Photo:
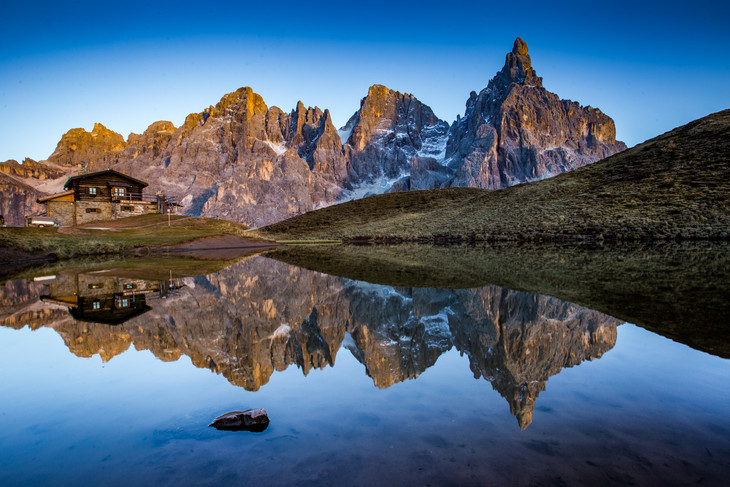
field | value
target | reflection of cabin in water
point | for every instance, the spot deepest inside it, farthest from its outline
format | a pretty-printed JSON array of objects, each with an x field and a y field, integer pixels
[
  {"x": 111, "y": 300},
  {"x": 102, "y": 195}
]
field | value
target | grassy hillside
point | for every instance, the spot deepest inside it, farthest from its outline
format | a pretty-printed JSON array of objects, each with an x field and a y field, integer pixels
[
  {"x": 675, "y": 186},
  {"x": 119, "y": 236}
]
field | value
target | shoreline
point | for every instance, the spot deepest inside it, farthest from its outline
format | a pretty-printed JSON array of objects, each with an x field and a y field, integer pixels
[{"x": 216, "y": 247}]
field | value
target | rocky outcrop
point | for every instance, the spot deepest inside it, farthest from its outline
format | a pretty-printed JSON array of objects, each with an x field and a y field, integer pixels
[
  {"x": 515, "y": 131},
  {"x": 30, "y": 169},
  {"x": 93, "y": 151},
  {"x": 17, "y": 200},
  {"x": 256, "y": 420},
  {"x": 149, "y": 145},
  {"x": 260, "y": 316},
  {"x": 242, "y": 160}
]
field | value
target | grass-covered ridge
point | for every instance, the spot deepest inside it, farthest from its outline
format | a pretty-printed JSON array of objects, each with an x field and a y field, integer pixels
[{"x": 675, "y": 186}]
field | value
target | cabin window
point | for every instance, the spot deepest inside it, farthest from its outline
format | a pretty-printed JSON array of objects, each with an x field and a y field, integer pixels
[
  {"x": 122, "y": 303},
  {"x": 127, "y": 208},
  {"x": 118, "y": 192},
  {"x": 93, "y": 210},
  {"x": 92, "y": 191},
  {"x": 96, "y": 305},
  {"x": 130, "y": 286}
]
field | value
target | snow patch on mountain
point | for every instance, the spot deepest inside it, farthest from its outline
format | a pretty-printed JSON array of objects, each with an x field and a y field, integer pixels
[
  {"x": 344, "y": 133},
  {"x": 377, "y": 186},
  {"x": 279, "y": 148}
]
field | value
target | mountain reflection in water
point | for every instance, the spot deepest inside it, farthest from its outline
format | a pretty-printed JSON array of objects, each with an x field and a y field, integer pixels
[{"x": 259, "y": 316}]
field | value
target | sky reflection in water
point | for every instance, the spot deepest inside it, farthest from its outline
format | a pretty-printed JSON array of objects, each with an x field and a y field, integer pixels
[{"x": 648, "y": 410}]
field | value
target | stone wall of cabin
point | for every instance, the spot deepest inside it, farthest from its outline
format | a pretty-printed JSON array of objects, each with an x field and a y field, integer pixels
[
  {"x": 85, "y": 213},
  {"x": 95, "y": 285},
  {"x": 61, "y": 211},
  {"x": 64, "y": 286},
  {"x": 136, "y": 286},
  {"x": 125, "y": 209}
]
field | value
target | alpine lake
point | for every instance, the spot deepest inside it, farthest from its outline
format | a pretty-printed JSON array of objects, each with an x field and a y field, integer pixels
[{"x": 377, "y": 365}]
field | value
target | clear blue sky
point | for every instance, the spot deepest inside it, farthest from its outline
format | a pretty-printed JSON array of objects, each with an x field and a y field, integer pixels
[{"x": 649, "y": 65}]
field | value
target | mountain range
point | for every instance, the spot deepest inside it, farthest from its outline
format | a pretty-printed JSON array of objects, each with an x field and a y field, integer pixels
[{"x": 245, "y": 161}]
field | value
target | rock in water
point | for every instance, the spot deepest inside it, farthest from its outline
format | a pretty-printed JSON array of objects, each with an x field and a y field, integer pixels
[{"x": 249, "y": 420}]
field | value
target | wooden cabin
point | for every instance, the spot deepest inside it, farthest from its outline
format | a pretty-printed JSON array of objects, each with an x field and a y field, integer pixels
[{"x": 101, "y": 195}]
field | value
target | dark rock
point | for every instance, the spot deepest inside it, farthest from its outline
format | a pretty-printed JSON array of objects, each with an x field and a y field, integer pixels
[
  {"x": 427, "y": 173},
  {"x": 250, "y": 420}
]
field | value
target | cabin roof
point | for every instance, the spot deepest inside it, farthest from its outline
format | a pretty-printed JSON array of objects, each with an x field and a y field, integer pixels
[
  {"x": 100, "y": 173},
  {"x": 57, "y": 195}
]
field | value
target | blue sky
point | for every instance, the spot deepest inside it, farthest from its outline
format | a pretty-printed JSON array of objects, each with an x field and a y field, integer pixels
[{"x": 651, "y": 66}]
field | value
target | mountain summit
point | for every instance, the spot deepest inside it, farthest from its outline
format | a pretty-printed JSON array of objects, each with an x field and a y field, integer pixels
[
  {"x": 516, "y": 131},
  {"x": 518, "y": 67}
]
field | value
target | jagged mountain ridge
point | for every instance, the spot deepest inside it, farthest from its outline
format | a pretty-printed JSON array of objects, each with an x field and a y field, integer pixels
[
  {"x": 248, "y": 162},
  {"x": 515, "y": 131}
]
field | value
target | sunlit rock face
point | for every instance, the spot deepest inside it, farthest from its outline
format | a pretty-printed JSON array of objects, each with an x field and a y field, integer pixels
[
  {"x": 243, "y": 161},
  {"x": 384, "y": 136},
  {"x": 515, "y": 131},
  {"x": 94, "y": 151},
  {"x": 260, "y": 316},
  {"x": 31, "y": 169}
]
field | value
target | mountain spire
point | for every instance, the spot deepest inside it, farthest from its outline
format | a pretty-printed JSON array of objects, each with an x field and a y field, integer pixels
[{"x": 518, "y": 66}]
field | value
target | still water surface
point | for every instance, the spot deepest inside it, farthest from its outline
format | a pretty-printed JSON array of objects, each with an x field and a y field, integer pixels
[{"x": 111, "y": 379}]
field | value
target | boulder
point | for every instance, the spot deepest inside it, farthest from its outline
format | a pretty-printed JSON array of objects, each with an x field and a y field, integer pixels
[{"x": 249, "y": 420}]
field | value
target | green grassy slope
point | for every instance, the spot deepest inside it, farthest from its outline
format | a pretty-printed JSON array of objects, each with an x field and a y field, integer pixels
[
  {"x": 124, "y": 234},
  {"x": 674, "y": 186}
]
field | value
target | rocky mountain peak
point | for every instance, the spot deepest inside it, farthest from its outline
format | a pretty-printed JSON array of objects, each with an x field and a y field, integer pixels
[
  {"x": 152, "y": 142},
  {"x": 515, "y": 131},
  {"x": 243, "y": 100},
  {"x": 385, "y": 134},
  {"x": 517, "y": 68},
  {"x": 520, "y": 47},
  {"x": 304, "y": 124},
  {"x": 96, "y": 150}
]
